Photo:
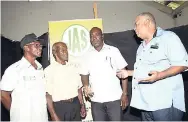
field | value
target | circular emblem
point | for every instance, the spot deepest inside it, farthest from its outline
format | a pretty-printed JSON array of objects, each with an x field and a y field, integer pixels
[{"x": 77, "y": 39}]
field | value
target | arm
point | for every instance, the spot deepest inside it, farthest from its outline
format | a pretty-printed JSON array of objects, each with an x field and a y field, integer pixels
[
  {"x": 156, "y": 76},
  {"x": 125, "y": 86},
  {"x": 6, "y": 99},
  {"x": 130, "y": 72},
  {"x": 85, "y": 80},
  {"x": 177, "y": 56},
  {"x": 53, "y": 115},
  {"x": 87, "y": 90},
  {"x": 124, "y": 96},
  {"x": 83, "y": 109},
  {"x": 174, "y": 70},
  {"x": 80, "y": 96}
]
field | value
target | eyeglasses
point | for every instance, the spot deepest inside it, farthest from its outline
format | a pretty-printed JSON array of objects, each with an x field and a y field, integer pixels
[{"x": 36, "y": 45}]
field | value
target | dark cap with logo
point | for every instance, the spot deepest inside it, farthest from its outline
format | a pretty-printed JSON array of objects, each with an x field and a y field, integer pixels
[{"x": 29, "y": 38}]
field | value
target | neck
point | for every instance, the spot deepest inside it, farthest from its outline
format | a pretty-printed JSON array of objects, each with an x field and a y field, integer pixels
[
  {"x": 99, "y": 47},
  {"x": 30, "y": 58},
  {"x": 150, "y": 35},
  {"x": 60, "y": 61}
]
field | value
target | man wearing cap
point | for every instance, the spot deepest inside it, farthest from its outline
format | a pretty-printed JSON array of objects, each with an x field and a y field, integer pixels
[{"x": 25, "y": 82}]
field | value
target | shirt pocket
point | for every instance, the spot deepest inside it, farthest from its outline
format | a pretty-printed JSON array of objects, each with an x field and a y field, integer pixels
[{"x": 154, "y": 56}]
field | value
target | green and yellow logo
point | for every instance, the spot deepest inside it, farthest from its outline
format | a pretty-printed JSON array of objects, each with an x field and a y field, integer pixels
[{"x": 77, "y": 39}]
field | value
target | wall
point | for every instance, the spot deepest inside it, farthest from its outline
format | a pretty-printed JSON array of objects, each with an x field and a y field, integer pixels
[
  {"x": 22, "y": 17},
  {"x": 183, "y": 19}
]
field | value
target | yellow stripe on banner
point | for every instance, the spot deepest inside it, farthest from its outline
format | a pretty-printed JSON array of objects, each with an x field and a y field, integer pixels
[{"x": 95, "y": 10}]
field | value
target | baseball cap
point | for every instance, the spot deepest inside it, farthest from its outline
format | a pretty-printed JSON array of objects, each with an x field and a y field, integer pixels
[{"x": 30, "y": 38}]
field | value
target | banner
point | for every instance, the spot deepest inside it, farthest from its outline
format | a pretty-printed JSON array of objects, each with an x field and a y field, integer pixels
[{"x": 75, "y": 33}]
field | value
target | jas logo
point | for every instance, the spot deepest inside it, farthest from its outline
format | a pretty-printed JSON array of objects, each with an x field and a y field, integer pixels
[{"x": 77, "y": 39}]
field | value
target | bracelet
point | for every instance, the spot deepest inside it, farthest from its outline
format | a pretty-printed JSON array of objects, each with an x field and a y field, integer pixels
[{"x": 126, "y": 94}]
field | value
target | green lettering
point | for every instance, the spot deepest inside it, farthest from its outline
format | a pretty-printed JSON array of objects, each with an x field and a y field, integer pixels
[
  {"x": 75, "y": 43},
  {"x": 83, "y": 38}
]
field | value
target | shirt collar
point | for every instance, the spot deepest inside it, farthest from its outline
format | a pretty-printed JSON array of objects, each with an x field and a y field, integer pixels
[
  {"x": 105, "y": 46},
  {"x": 157, "y": 33},
  {"x": 27, "y": 64}
]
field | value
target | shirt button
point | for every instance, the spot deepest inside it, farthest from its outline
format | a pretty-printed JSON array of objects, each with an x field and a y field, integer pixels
[
  {"x": 186, "y": 60},
  {"x": 136, "y": 68},
  {"x": 134, "y": 78},
  {"x": 150, "y": 52},
  {"x": 140, "y": 59},
  {"x": 134, "y": 88}
]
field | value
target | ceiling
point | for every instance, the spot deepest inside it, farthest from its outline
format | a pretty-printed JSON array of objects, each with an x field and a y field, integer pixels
[
  {"x": 171, "y": 4},
  {"x": 171, "y": 8}
]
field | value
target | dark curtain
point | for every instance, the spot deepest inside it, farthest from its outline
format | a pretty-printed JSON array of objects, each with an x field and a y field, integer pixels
[
  {"x": 10, "y": 53},
  {"x": 126, "y": 41}
]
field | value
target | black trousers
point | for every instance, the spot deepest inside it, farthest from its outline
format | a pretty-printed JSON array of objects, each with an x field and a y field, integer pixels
[
  {"x": 107, "y": 111},
  {"x": 168, "y": 114},
  {"x": 68, "y": 111}
]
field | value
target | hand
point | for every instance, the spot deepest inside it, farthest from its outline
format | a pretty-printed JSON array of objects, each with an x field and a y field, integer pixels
[
  {"x": 122, "y": 74},
  {"x": 87, "y": 91},
  {"x": 124, "y": 101},
  {"x": 83, "y": 111},
  {"x": 153, "y": 76},
  {"x": 55, "y": 118}
]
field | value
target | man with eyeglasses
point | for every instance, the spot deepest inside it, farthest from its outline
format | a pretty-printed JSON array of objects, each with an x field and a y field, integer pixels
[
  {"x": 24, "y": 81},
  {"x": 157, "y": 83}
]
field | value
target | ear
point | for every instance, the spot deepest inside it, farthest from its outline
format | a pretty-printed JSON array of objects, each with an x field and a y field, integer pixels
[
  {"x": 147, "y": 22},
  {"x": 54, "y": 53},
  {"x": 102, "y": 36},
  {"x": 26, "y": 48}
]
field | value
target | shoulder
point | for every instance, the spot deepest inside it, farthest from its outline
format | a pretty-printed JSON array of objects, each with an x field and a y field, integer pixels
[
  {"x": 168, "y": 36},
  {"x": 14, "y": 67},
  {"x": 48, "y": 68},
  {"x": 113, "y": 48}
]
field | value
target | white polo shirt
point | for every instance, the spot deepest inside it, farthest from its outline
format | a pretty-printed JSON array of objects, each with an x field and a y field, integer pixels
[
  {"x": 102, "y": 67},
  {"x": 28, "y": 91}
]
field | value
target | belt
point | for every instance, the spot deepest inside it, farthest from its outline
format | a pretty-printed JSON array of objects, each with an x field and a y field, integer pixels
[{"x": 69, "y": 100}]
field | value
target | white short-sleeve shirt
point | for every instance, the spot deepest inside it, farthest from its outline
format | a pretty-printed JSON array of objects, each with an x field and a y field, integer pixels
[
  {"x": 102, "y": 67},
  {"x": 28, "y": 91}
]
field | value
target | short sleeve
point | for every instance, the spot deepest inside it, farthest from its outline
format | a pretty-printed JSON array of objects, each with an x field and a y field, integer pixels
[
  {"x": 9, "y": 80},
  {"x": 175, "y": 51},
  {"x": 120, "y": 61},
  {"x": 84, "y": 67},
  {"x": 48, "y": 80}
]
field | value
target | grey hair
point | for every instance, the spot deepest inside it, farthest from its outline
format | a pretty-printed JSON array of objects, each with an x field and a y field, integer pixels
[{"x": 149, "y": 16}]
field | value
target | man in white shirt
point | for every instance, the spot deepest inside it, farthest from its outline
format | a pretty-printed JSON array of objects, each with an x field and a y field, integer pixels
[
  {"x": 25, "y": 82},
  {"x": 157, "y": 85},
  {"x": 99, "y": 70}
]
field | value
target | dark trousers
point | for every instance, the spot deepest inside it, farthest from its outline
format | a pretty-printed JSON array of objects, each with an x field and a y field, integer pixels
[
  {"x": 168, "y": 114},
  {"x": 106, "y": 111},
  {"x": 68, "y": 111}
]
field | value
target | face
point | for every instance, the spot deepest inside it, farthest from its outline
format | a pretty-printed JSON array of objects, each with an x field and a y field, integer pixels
[
  {"x": 141, "y": 27},
  {"x": 96, "y": 38},
  {"x": 34, "y": 49},
  {"x": 62, "y": 53}
]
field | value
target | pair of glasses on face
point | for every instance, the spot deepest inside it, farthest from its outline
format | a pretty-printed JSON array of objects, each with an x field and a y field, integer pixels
[{"x": 36, "y": 45}]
